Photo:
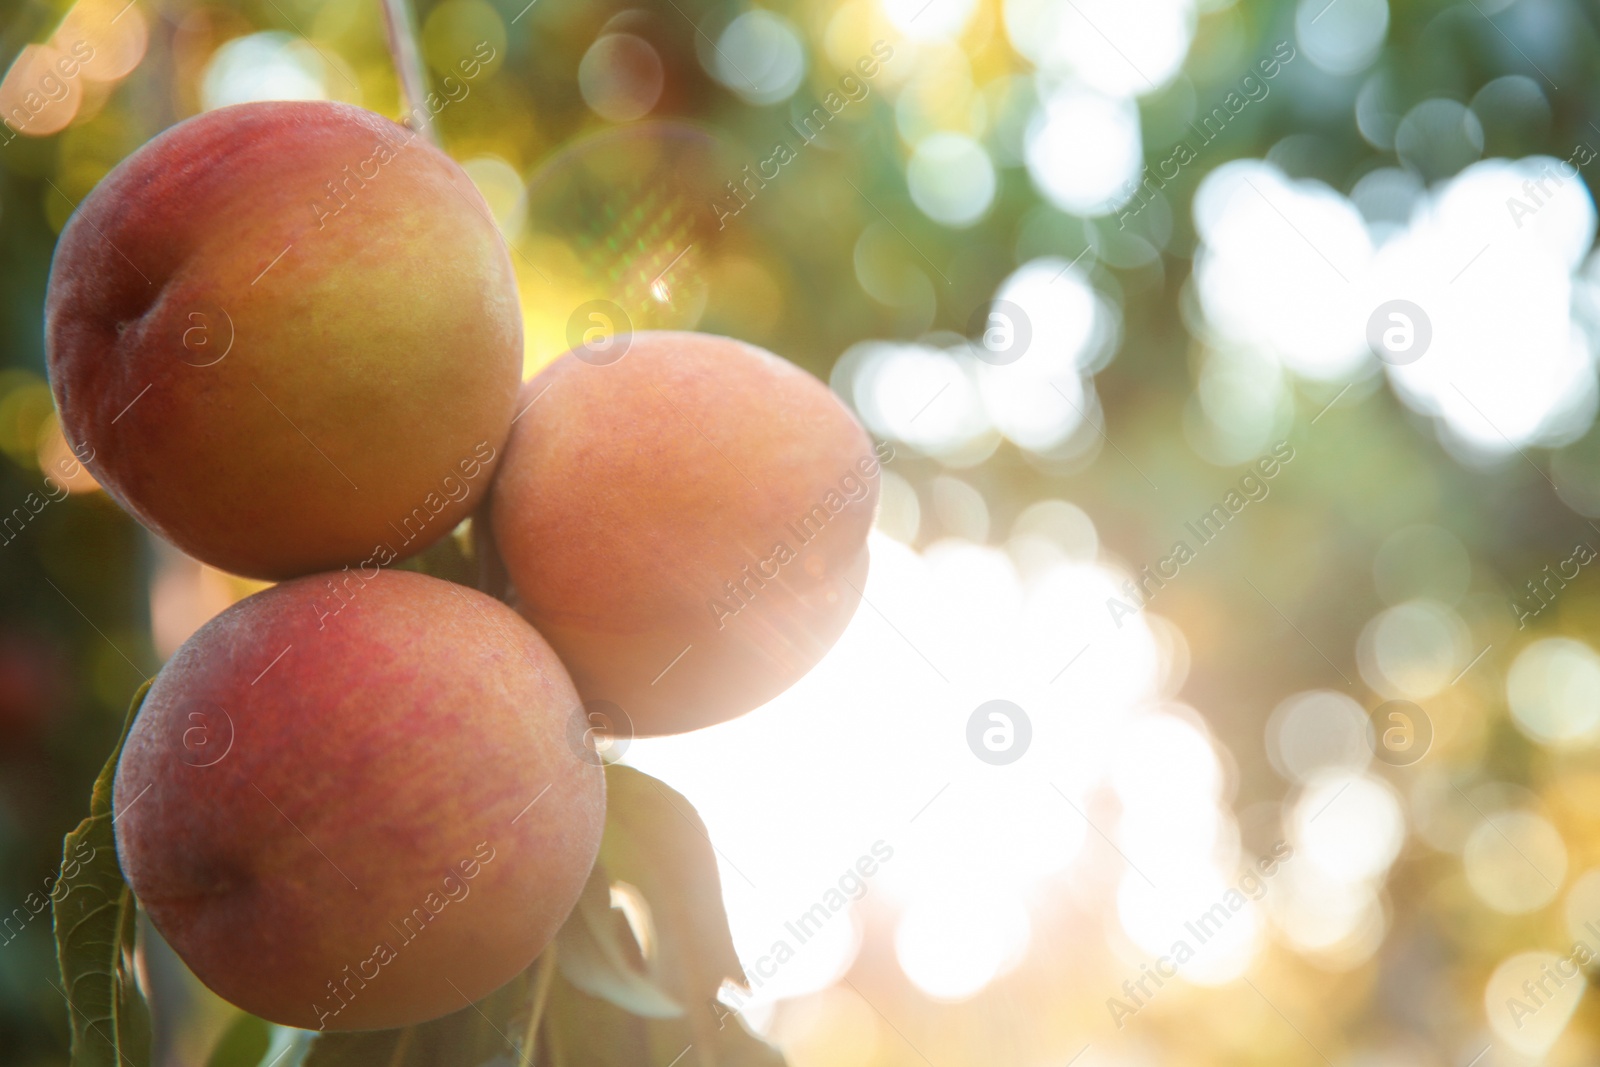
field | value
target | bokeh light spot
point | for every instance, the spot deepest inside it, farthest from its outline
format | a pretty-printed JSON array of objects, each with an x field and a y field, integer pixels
[
  {"x": 621, "y": 77},
  {"x": 759, "y": 56}
]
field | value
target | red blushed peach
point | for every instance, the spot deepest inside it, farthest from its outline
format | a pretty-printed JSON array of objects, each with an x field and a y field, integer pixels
[
  {"x": 686, "y": 526},
  {"x": 284, "y": 334},
  {"x": 352, "y": 803}
]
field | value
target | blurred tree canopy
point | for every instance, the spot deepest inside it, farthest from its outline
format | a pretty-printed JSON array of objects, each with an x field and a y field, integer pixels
[{"x": 610, "y": 138}]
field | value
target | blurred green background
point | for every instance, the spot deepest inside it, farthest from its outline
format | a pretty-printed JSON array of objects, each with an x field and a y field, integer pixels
[{"x": 1191, "y": 296}]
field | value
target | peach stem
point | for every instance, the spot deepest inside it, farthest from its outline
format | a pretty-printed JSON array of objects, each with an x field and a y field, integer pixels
[{"x": 401, "y": 31}]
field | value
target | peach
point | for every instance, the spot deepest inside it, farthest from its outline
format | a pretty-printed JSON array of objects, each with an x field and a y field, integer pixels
[
  {"x": 686, "y": 526},
  {"x": 354, "y": 802},
  {"x": 289, "y": 336}
]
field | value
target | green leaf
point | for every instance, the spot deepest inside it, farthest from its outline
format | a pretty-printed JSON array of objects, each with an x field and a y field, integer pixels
[
  {"x": 467, "y": 1038},
  {"x": 654, "y": 840},
  {"x": 94, "y": 919},
  {"x": 586, "y": 1031},
  {"x": 243, "y": 1044},
  {"x": 599, "y": 955}
]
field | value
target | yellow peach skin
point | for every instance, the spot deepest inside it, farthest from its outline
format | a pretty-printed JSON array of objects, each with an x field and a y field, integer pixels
[
  {"x": 686, "y": 526},
  {"x": 286, "y": 337}
]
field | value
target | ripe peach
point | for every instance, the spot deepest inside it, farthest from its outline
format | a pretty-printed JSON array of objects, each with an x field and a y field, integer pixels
[
  {"x": 686, "y": 526},
  {"x": 352, "y": 802},
  {"x": 289, "y": 333}
]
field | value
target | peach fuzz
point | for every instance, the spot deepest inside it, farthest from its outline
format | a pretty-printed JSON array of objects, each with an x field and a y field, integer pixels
[
  {"x": 351, "y": 806},
  {"x": 286, "y": 334},
  {"x": 686, "y": 526}
]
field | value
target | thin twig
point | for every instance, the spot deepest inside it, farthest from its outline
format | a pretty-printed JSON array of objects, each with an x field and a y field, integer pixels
[
  {"x": 401, "y": 31},
  {"x": 402, "y": 1047},
  {"x": 542, "y": 980}
]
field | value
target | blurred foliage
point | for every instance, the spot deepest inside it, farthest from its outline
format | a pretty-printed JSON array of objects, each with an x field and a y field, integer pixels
[{"x": 76, "y": 633}]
